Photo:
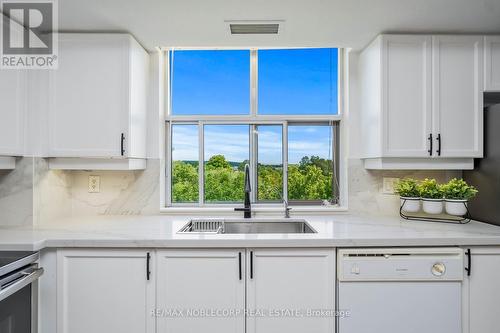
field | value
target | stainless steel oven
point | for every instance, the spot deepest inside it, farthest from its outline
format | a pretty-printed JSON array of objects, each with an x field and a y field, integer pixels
[{"x": 19, "y": 273}]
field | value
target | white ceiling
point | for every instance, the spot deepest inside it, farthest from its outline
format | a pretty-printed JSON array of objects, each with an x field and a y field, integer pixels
[{"x": 342, "y": 23}]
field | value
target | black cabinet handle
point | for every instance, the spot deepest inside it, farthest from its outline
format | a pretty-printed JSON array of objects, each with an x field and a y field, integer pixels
[
  {"x": 430, "y": 143},
  {"x": 439, "y": 144},
  {"x": 469, "y": 262},
  {"x": 239, "y": 267},
  {"x": 251, "y": 264},
  {"x": 122, "y": 145},
  {"x": 148, "y": 271}
]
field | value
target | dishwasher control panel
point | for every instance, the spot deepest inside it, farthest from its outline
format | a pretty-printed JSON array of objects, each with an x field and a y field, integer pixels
[{"x": 398, "y": 264}]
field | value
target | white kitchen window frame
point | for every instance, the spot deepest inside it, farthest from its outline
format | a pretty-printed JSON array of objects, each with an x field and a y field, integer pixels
[{"x": 253, "y": 119}]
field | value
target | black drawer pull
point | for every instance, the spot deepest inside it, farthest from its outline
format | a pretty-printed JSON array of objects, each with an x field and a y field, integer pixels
[
  {"x": 430, "y": 143},
  {"x": 468, "y": 269},
  {"x": 122, "y": 145},
  {"x": 439, "y": 144},
  {"x": 251, "y": 264},
  {"x": 148, "y": 271},
  {"x": 239, "y": 266}
]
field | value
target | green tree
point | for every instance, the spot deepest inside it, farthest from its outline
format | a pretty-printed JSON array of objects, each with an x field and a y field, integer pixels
[
  {"x": 241, "y": 166},
  {"x": 218, "y": 162},
  {"x": 324, "y": 164},
  {"x": 270, "y": 182},
  {"x": 308, "y": 183},
  {"x": 184, "y": 182},
  {"x": 224, "y": 184},
  {"x": 311, "y": 179}
]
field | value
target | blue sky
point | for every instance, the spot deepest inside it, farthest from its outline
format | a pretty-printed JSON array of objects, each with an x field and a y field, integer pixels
[
  {"x": 302, "y": 81},
  {"x": 298, "y": 81},
  {"x": 210, "y": 82}
]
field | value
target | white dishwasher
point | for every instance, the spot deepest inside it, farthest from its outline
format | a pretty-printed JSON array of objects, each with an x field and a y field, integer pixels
[{"x": 395, "y": 290}]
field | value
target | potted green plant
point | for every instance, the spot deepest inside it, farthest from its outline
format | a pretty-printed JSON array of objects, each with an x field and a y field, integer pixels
[
  {"x": 409, "y": 195},
  {"x": 432, "y": 196},
  {"x": 457, "y": 194}
]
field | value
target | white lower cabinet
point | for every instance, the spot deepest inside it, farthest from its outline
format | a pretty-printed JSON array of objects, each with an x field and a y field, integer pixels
[
  {"x": 482, "y": 291},
  {"x": 286, "y": 285},
  {"x": 281, "y": 285},
  {"x": 105, "y": 291},
  {"x": 192, "y": 281},
  {"x": 196, "y": 290}
]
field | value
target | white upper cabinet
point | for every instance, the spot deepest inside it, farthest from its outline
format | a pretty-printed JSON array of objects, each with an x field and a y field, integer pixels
[
  {"x": 98, "y": 98},
  {"x": 457, "y": 95},
  {"x": 406, "y": 66},
  {"x": 13, "y": 99},
  {"x": 13, "y": 96},
  {"x": 421, "y": 102},
  {"x": 492, "y": 63}
]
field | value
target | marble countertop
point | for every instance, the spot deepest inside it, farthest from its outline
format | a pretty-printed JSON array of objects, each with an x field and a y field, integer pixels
[{"x": 339, "y": 230}]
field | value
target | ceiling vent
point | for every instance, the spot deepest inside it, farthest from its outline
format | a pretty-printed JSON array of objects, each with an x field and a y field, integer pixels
[{"x": 254, "y": 28}]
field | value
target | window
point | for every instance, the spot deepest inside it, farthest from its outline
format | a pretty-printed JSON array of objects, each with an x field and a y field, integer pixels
[
  {"x": 310, "y": 166},
  {"x": 226, "y": 153},
  {"x": 185, "y": 163},
  {"x": 210, "y": 82},
  {"x": 269, "y": 162},
  {"x": 300, "y": 81},
  {"x": 275, "y": 110}
]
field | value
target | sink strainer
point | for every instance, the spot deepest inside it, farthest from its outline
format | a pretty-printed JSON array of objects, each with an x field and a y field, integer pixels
[{"x": 203, "y": 226}]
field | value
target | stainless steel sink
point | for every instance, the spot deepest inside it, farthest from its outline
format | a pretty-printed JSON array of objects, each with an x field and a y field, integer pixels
[{"x": 248, "y": 226}]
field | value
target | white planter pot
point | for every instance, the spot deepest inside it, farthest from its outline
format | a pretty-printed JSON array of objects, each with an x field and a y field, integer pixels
[
  {"x": 410, "y": 205},
  {"x": 432, "y": 206},
  {"x": 456, "y": 207}
]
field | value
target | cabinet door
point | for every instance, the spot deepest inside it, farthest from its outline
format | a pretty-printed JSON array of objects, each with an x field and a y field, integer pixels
[
  {"x": 492, "y": 63},
  {"x": 458, "y": 95},
  {"x": 104, "y": 291},
  {"x": 406, "y": 95},
  {"x": 88, "y": 108},
  {"x": 13, "y": 96},
  {"x": 192, "y": 281},
  {"x": 282, "y": 281},
  {"x": 484, "y": 291}
]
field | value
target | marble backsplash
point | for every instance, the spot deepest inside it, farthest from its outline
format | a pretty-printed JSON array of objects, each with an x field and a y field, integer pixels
[
  {"x": 65, "y": 193},
  {"x": 32, "y": 194},
  {"x": 365, "y": 187},
  {"x": 16, "y": 193}
]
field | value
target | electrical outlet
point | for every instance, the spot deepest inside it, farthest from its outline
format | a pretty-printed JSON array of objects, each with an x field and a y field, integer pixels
[
  {"x": 94, "y": 184},
  {"x": 388, "y": 185}
]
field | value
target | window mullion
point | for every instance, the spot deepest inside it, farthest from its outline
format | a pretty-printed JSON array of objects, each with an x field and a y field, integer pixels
[
  {"x": 168, "y": 164},
  {"x": 284, "y": 146},
  {"x": 253, "y": 83},
  {"x": 253, "y": 162},
  {"x": 253, "y": 128},
  {"x": 201, "y": 163}
]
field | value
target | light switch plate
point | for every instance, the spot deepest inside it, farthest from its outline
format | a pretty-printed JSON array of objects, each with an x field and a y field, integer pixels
[
  {"x": 94, "y": 184},
  {"x": 388, "y": 185}
]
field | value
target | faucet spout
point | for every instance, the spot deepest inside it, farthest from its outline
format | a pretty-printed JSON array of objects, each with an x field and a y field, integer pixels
[{"x": 247, "y": 189}]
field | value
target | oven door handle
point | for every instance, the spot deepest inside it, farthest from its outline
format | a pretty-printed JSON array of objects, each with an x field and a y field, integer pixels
[{"x": 21, "y": 283}]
